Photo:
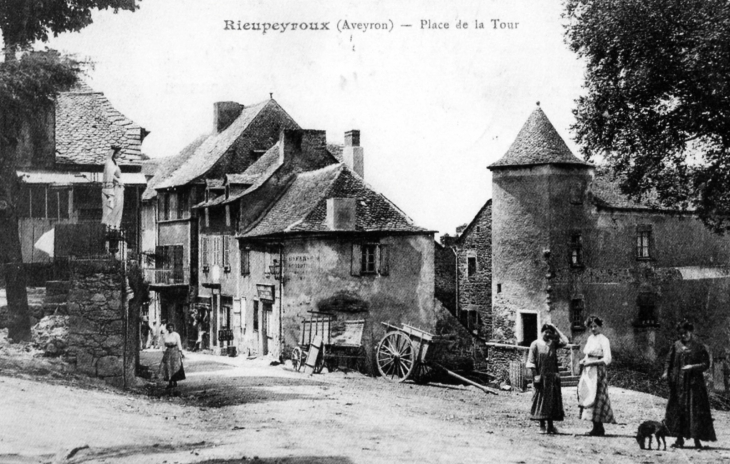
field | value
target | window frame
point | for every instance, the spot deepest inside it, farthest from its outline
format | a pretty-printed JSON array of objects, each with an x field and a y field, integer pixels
[
  {"x": 367, "y": 266},
  {"x": 576, "y": 257},
  {"x": 472, "y": 271},
  {"x": 245, "y": 258},
  {"x": 226, "y": 253},
  {"x": 577, "y": 314}
]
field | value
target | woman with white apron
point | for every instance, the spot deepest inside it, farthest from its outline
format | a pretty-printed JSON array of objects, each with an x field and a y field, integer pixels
[{"x": 593, "y": 398}]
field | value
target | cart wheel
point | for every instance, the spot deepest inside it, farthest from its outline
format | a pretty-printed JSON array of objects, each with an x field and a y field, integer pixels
[
  {"x": 422, "y": 374},
  {"x": 296, "y": 359},
  {"x": 395, "y": 356},
  {"x": 319, "y": 363}
]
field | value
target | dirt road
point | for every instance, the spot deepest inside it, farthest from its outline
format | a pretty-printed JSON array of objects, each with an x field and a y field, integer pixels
[{"x": 230, "y": 410}]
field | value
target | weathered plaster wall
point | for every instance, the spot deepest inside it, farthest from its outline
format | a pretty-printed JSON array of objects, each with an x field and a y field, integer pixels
[
  {"x": 536, "y": 209},
  {"x": 317, "y": 277},
  {"x": 687, "y": 272},
  {"x": 532, "y": 213},
  {"x": 98, "y": 322}
]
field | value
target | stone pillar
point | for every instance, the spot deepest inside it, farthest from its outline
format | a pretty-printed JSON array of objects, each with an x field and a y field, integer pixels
[{"x": 98, "y": 321}]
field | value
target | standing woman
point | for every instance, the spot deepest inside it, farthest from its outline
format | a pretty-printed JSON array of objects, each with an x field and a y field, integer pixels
[
  {"x": 688, "y": 410},
  {"x": 547, "y": 401},
  {"x": 593, "y": 398},
  {"x": 171, "y": 367}
]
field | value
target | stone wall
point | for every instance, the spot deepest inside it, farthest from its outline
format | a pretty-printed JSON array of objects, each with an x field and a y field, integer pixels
[
  {"x": 475, "y": 291},
  {"x": 98, "y": 322}
]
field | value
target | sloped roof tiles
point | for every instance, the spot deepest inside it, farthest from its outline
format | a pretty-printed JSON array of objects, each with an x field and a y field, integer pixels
[
  {"x": 303, "y": 207},
  {"x": 537, "y": 143},
  {"x": 87, "y": 124},
  {"x": 207, "y": 153}
]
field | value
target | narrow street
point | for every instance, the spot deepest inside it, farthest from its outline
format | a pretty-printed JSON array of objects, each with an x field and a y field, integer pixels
[{"x": 230, "y": 410}]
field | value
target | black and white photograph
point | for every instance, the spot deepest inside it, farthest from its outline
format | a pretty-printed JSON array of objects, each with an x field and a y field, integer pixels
[{"x": 353, "y": 232}]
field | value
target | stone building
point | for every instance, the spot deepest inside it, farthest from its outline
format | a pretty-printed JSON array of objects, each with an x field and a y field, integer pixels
[
  {"x": 566, "y": 244},
  {"x": 60, "y": 164},
  {"x": 308, "y": 234},
  {"x": 239, "y": 137}
]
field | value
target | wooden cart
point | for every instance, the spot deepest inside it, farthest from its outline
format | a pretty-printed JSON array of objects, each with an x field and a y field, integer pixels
[
  {"x": 409, "y": 353},
  {"x": 341, "y": 343},
  {"x": 405, "y": 352}
]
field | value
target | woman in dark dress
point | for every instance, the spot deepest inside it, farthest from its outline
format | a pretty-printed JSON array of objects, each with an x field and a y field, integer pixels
[
  {"x": 688, "y": 410},
  {"x": 171, "y": 367},
  {"x": 547, "y": 401}
]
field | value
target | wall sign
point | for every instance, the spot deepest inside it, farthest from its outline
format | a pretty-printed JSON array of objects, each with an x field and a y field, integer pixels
[{"x": 266, "y": 292}]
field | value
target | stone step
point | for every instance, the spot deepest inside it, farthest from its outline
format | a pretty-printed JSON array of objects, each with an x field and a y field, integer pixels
[
  {"x": 57, "y": 287},
  {"x": 55, "y": 299}
]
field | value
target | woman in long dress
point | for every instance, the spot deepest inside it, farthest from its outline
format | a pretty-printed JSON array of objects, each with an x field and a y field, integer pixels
[
  {"x": 547, "y": 400},
  {"x": 171, "y": 367},
  {"x": 593, "y": 398},
  {"x": 688, "y": 410}
]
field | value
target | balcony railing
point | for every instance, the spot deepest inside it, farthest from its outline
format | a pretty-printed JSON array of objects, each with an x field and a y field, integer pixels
[{"x": 175, "y": 276}]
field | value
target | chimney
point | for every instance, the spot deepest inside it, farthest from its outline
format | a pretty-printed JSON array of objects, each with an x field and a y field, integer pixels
[
  {"x": 353, "y": 154},
  {"x": 302, "y": 149},
  {"x": 224, "y": 113},
  {"x": 341, "y": 213}
]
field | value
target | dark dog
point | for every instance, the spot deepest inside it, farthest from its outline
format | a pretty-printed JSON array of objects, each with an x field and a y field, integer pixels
[{"x": 649, "y": 428}]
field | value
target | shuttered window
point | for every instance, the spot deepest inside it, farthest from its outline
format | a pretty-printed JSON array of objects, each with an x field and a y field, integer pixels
[
  {"x": 370, "y": 259},
  {"x": 227, "y": 253}
]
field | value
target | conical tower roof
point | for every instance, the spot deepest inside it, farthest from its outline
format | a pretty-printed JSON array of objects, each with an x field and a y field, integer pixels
[{"x": 538, "y": 143}]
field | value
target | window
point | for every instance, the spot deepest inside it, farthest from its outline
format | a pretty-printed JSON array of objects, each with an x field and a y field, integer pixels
[
  {"x": 479, "y": 229},
  {"x": 183, "y": 208},
  {"x": 63, "y": 203},
  {"x": 245, "y": 261},
  {"x": 576, "y": 250},
  {"x": 226, "y": 253},
  {"x": 255, "y": 316},
  {"x": 204, "y": 253},
  {"x": 577, "y": 312},
  {"x": 499, "y": 288},
  {"x": 23, "y": 205},
  {"x": 368, "y": 259},
  {"x": 647, "y": 310},
  {"x": 172, "y": 206},
  {"x": 471, "y": 265},
  {"x": 217, "y": 250},
  {"x": 643, "y": 242}
]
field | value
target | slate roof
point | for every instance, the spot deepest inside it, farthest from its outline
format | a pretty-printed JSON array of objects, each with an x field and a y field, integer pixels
[
  {"x": 607, "y": 192},
  {"x": 303, "y": 206},
  {"x": 210, "y": 151},
  {"x": 87, "y": 124},
  {"x": 537, "y": 143},
  {"x": 170, "y": 166}
]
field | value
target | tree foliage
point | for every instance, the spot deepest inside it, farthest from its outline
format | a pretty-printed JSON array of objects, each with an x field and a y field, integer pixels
[
  {"x": 656, "y": 105},
  {"x": 24, "y": 22},
  {"x": 26, "y": 86}
]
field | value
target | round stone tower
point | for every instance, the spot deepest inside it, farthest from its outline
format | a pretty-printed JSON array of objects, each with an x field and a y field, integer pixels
[{"x": 539, "y": 208}]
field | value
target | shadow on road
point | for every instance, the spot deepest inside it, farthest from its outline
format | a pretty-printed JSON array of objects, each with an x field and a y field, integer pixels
[{"x": 287, "y": 460}]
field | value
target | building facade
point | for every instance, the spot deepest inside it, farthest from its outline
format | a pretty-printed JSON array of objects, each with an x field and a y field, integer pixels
[
  {"x": 60, "y": 163},
  {"x": 239, "y": 137},
  {"x": 310, "y": 236},
  {"x": 565, "y": 244}
]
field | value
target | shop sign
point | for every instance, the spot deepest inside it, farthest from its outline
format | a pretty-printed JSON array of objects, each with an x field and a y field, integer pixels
[{"x": 266, "y": 292}]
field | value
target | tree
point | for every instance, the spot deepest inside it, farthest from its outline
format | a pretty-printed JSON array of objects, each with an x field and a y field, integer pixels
[
  {"x": 657, "y": 98},
  {"x": 28, "y": 86}
]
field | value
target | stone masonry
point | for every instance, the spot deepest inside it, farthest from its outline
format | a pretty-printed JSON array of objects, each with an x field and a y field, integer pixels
[{"x": 97, "y": 322}]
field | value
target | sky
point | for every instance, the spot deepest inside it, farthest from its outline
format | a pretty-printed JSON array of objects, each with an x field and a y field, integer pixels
[{"x": 435, "y": 106}]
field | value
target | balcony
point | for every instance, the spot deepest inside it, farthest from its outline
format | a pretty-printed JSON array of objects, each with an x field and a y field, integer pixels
[{"x": 175, "y": 277}]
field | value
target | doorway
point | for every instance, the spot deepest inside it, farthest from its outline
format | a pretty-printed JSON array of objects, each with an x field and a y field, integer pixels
[{"x": 529, "y": 328}]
